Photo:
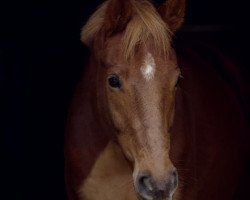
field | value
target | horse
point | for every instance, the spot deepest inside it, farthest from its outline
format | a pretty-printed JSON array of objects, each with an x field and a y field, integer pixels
[{"x": 147, "y": 122}]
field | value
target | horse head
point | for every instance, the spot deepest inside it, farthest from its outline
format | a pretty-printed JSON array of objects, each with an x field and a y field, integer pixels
[{"x": 137, "y": 76}]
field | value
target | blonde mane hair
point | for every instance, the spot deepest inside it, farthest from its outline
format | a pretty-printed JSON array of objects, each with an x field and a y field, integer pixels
[{"x": 145, "y": 23}]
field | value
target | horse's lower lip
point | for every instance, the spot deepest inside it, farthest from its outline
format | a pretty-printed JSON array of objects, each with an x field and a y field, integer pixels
[{"x": 140, "y": 198}]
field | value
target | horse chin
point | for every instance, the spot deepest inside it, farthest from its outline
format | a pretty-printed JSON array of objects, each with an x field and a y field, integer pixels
[{"x": 157, "y": 198}]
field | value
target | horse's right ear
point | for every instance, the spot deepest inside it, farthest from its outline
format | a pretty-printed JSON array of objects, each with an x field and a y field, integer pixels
[
  {"x": 111, "y": 17},
  {"x": 172, "y": 12},
  {"x": 93, "y": 25},
  {"x": 118, "y": 14}
]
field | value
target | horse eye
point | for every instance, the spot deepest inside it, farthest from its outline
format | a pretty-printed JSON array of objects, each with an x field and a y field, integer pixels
[{"x": 114, "y": 81}]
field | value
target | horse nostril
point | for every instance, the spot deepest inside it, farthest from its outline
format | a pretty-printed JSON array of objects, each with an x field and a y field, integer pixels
[
  {"x": 174, "y": 178},
  {"x": 145, "y": 183},
  {"x": 145, "y": 186}
]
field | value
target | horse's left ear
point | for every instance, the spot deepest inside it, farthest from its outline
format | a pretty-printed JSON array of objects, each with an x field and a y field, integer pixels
[{"x": 172, "y": 12}]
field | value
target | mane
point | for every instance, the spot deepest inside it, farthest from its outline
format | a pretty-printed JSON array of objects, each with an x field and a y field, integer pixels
[{"x": 145, "y": 24}]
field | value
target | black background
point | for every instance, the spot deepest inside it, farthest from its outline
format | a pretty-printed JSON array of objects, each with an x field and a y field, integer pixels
[{"x": 41, "y": 59}]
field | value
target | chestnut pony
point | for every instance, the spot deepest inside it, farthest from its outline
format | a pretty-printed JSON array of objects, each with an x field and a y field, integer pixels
[{"x": 133, "y": 133}]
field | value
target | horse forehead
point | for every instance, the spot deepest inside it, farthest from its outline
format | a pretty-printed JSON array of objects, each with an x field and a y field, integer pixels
[{"x": 148, "y": 67}]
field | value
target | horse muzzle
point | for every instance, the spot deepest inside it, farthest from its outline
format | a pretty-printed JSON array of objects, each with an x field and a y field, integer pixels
[{"x": 149, "y": 187}]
